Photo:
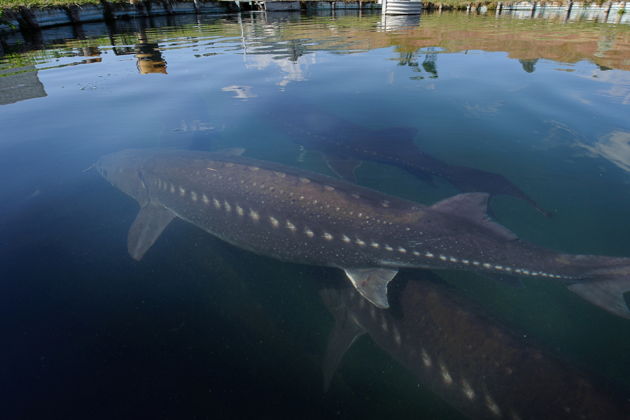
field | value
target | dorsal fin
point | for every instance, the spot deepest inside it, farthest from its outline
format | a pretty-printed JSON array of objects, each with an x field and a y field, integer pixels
[{"x": 474, "y": 207}]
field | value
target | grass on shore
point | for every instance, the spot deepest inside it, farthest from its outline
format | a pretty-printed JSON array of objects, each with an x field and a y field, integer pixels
[
  {"x": 448, "y": 4},
  {"x": 14, "y": 4}
]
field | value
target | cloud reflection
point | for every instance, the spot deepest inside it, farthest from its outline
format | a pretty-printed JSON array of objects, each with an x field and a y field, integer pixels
[
  {"x": 240, "y": 92},
  {"x": 614, "y": 147},
  {"x": 292, "y": 70},
  {"x": 618, "y": 81}
]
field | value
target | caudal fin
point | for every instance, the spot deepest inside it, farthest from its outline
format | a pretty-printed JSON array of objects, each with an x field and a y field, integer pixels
[
  {"x": 606, "y": 284},
  {"x": 607, "y": 294}
]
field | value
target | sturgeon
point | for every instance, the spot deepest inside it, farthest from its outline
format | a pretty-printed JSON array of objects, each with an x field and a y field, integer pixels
[
  {"x": 478, "y": 366},
  {"x": 344, "y": 146},
  {"x": 304, "y": 217}
]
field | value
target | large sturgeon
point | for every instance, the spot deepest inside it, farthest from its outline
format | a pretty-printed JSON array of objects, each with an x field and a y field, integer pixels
[
  {"x": 345, "y": 145},
  {"x": 303, "y": 217},
  {"x": 475, "y": 364}
]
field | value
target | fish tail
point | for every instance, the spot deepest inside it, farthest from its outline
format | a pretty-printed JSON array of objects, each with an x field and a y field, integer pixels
[{"x": 606, "y": 286}]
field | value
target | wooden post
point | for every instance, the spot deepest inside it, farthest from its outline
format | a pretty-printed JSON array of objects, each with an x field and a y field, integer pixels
[
  {"x": 608, "y": 11},
  {"x": 26, "y": 20},
  {"x": 140, "y": 7},
  {"x": 73, "y": 14},
  {"x": 108, "y": 13}
]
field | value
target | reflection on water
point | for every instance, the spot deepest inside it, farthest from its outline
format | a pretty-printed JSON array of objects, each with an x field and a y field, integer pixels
[
  {"x": 240, "y": 92},
  {"x": 258, "y": 34},
  {"x": 149, "y": 57},
  {"x": 616, "y": 85},
  {"x": 20, "y": 84},
  {"x": 531, "y": 110},
  {"x": 428, "y": 66},
  {"x": 614, "y": 147},
  {"x": 293, "y": 69},
  {"x": 390, "y": 23}
]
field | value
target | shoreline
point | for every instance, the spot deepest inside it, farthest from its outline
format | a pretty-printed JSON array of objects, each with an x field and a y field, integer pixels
[
  {"x": 27, "y": 19},
  {"x": 24, "y": 18}
]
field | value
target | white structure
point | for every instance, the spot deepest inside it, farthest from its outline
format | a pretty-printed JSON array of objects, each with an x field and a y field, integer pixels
[
  {"x": 610, "y": 12},
  {"x": 401, "y": 7}
]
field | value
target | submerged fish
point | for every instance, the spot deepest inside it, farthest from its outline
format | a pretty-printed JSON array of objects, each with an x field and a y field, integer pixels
[
  {"x": 476, "y": 365},
  {"x": 303, "y": 217},
  {"x": 344, "y": 145}
]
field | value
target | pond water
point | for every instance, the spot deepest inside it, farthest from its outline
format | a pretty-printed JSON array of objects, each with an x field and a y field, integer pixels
[{"x": 199, "y": 328}]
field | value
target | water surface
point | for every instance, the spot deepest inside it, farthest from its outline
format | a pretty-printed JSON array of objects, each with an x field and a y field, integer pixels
[{"x": 201, "y": 329}]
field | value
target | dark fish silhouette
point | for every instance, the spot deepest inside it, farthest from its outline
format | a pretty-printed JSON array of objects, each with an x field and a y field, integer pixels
[
  {"x": 344, "y": 145},
  {"x": 299, "y": 216},
  {"x": 476, "y": 365}
]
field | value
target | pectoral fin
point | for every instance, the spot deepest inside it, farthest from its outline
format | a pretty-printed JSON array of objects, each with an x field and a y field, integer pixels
[
  {"x": 344, "y": 333},
  {"x": 149, "y": 224},
  {"x": 372, "y": 283}
]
